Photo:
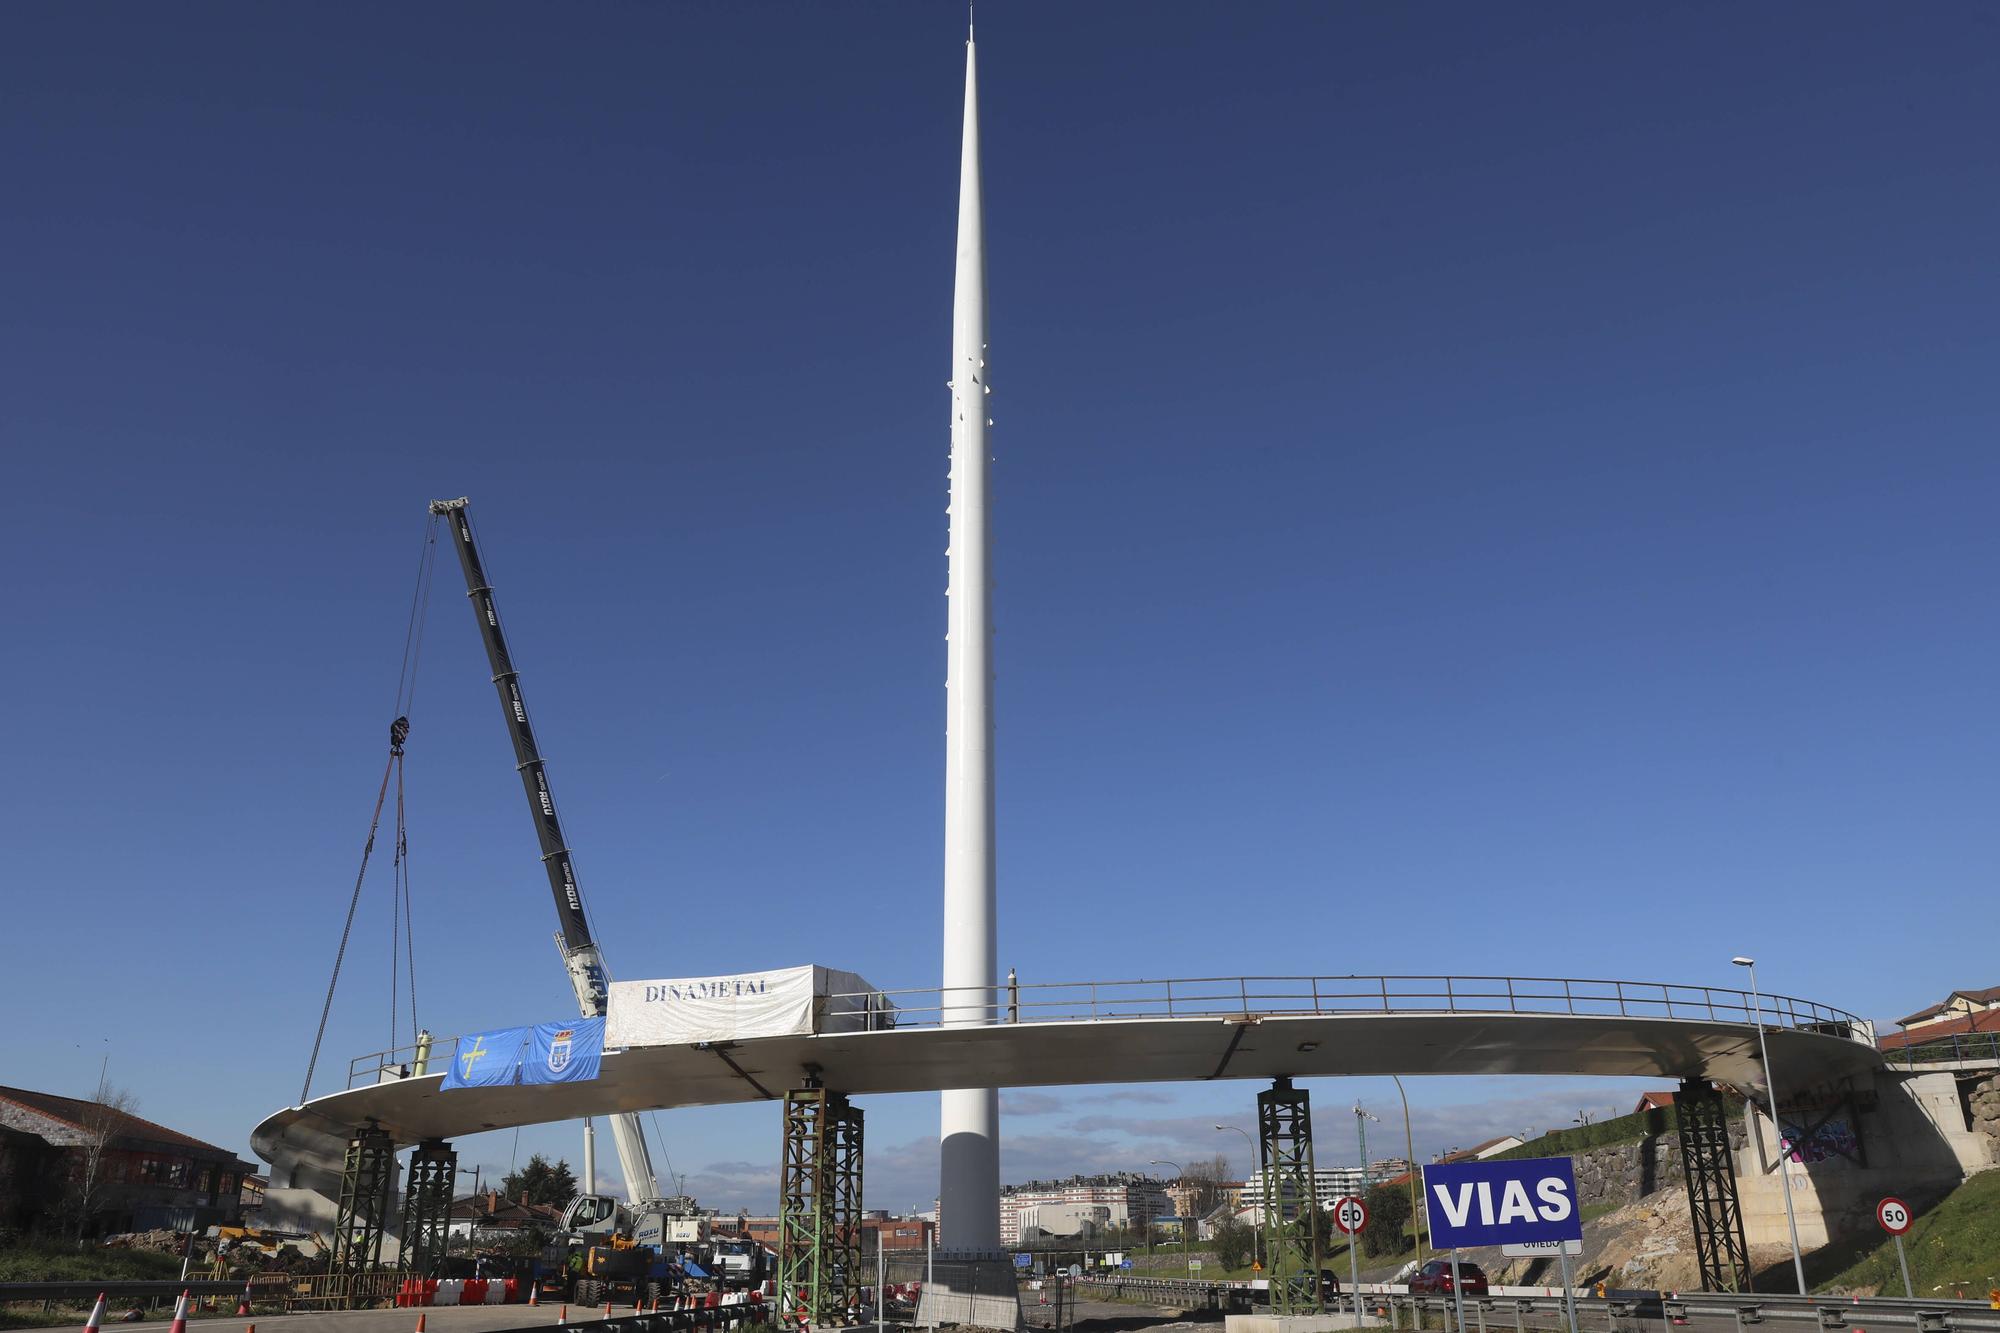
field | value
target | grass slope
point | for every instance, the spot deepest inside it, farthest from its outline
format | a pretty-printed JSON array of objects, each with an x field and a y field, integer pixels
[
  {"x": 1954, "y": 1248},
  {"x": 42, "y": 1261}
]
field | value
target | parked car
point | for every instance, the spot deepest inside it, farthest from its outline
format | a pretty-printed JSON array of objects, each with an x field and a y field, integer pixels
[{"x": 1434, "y": 1279}]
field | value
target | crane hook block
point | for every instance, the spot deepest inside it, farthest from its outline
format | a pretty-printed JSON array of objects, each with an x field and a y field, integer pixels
[{"x": 399, "y": 731}]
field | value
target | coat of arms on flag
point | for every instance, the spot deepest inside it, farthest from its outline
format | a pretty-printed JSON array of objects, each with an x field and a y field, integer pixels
[{"x": 566, "y": 1052}]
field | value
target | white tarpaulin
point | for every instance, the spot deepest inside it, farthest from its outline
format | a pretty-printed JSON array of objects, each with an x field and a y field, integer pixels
[{"x": 787, "y": 1002}]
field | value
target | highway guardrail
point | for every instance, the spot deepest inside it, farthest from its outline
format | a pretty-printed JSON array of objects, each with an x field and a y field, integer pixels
[{"x": 1616, "y": 1311}]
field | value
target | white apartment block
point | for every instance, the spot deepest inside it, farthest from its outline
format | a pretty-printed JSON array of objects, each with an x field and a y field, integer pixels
[{"x": 1124, "y": 1200}]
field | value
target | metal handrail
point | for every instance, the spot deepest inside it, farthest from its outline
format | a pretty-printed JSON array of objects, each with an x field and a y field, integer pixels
[
  {"x": 1244, "y": 997},
  {"x": 1965, "y": 1046}
]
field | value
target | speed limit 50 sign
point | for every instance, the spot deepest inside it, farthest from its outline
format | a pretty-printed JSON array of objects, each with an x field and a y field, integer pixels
[
  {"x": 1350, "y": 1215},
  {"x": 1894, "y": 1215}
]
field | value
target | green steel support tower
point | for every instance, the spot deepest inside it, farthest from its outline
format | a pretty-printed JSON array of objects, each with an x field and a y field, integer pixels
[{"x": 1292, "y": 1244}]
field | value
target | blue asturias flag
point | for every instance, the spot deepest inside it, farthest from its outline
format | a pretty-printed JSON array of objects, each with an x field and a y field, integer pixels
[
  {"x": 489, "y": 1059},
  {"x": 565, "y": 1052}
]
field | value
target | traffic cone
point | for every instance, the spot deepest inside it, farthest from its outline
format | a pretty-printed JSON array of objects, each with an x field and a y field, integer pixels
[
  {"x": 534, "y": 1293},
  {"x": 607, "y": 1309},
  {"x": 96, "y": 1320},
  {"x": 243, "y": 1303},
  {"x": 562, "y": 1317},
  {"x": 180, "y": 1315},
  {"x": 420, "y": 1321}
]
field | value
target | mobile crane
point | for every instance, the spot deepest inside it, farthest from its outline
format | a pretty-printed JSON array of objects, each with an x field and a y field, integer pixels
[{"x": 637, "y": 1231}]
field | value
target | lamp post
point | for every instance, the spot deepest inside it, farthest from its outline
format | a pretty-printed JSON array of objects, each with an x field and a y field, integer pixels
[
  {"x": 1777, "y": 1126},
  {"x": 1410, "y": 1147},
  {"x": 1257, "y": 1244},
  {"x": 1180, "y": 1174},
  {"x": 469, "y": 1218}
]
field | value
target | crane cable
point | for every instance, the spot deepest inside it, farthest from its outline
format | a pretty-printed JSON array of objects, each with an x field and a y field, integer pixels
[
  {"x": 406, "y": 690},
  {"x": 399, "y": 731}
]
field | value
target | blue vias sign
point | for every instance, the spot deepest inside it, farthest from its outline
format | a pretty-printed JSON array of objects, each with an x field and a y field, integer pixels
[{"x": 1501, "y": 1203}]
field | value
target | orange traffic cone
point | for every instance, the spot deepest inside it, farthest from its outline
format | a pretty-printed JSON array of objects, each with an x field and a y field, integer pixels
[
  {"x": 535, "y": 1294},
  {"x": 607, "y": 1309},
  {"x": 96, "y": 1320},
  {"x": 243, "y": 1302},
  {"x": 562, "y": 1316},
  {"x": 420, "y": 1322},
  {"x": 180, "y": 1315}
]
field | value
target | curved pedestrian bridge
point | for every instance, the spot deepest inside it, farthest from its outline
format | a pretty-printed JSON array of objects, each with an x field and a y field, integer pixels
[{"x": 1098, "y": 1032}]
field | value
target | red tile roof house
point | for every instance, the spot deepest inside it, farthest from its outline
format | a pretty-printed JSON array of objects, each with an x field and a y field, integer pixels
[
  {"x": 61, "y": 1156},
  {"x": 1959, "y": 1013}
]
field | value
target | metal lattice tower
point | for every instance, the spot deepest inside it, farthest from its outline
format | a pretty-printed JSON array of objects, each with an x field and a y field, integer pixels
[
  {"x": 427, "y": 1207},
  {"x": 819, "y": 1207},
  {"x": 1710, "y": 1168},
  {"x": 844, "y": 1124},
  {"x": 367, "y": 1182},
  {"x": 1292, "y": 1245}
]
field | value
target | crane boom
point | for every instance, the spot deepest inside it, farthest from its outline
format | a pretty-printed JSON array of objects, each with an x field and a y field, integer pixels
[{"x": 581, "y": 957}]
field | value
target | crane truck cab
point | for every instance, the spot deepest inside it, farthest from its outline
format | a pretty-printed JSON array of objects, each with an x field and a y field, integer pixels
[
  {"x": 656, "y": 1223},
  {"x": 611, "y": 1249}
]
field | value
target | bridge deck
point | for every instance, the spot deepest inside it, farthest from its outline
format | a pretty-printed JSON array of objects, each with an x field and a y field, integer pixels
[{"x": 305, "y": 1143}]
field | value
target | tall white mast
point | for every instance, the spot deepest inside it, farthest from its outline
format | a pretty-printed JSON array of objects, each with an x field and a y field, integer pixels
[{"x": 969, "y": 1118}]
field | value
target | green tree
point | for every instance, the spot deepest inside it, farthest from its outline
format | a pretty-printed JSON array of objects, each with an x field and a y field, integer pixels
[
  {"x": 1233, "y": 1243},
  {"x": 541, "y": 1181},
  {"x": 1388, "y": 1210}
]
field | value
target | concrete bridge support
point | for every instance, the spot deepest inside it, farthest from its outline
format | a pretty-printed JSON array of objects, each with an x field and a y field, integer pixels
[
  {"x": 1293, "y": 1247},
  {"x": 1900, "y": 1132}
]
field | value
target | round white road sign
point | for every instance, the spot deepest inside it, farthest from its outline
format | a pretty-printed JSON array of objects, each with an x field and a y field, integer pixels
[
  {"x": 1894, "y": 1215},
  {"x": 1350, "y": 1215}
]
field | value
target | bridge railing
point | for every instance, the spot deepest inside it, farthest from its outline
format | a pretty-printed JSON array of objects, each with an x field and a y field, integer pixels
[
  {"x": 1273, "y": 996},
  {"x": 1974, "y": 1047},
  {"x": 1227, "y": 997}
]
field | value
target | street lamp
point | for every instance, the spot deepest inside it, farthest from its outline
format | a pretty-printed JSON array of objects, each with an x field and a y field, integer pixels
[
  {"x": 1777, "y": 1126},
  {"x": 470, "y": 1217},
  {"x": 1231, "y": 1129},
  {"x": 1180, "y": 1174},
  {"x": 1410, "y": 1147},
  {"x": 1257, "y": 1247}
]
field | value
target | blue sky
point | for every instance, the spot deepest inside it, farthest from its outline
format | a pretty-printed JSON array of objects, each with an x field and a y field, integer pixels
[{"x": 1488, "y": 489}]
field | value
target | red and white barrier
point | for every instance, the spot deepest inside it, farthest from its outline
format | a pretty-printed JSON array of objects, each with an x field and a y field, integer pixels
[{"x": 96, "y": 1320}]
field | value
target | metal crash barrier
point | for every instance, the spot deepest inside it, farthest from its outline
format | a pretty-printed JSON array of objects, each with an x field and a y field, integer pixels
[
  {"x": 730, "y": 1315},
  {"x": 1610, "y": 1312}
]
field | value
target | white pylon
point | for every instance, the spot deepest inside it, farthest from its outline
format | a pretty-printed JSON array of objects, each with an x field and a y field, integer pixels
[{"x": 969, "y": 1118}]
